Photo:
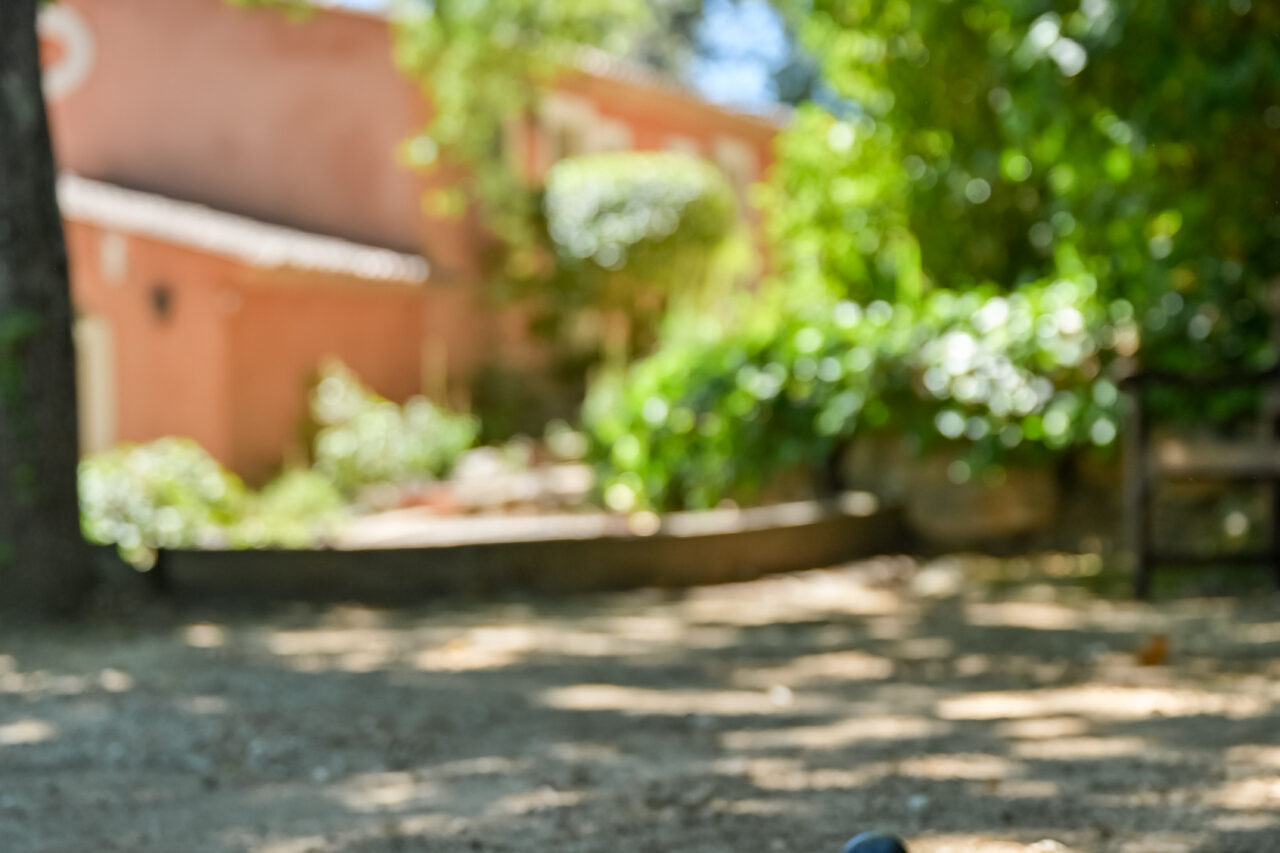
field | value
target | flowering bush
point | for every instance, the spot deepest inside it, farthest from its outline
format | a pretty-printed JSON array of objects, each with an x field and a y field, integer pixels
[
  {"x": 1008, "y": 376},
  {"x": 365, "y": 439},
  {"x": 171, "y": 493},
  {"x": 167, "y": 494}
]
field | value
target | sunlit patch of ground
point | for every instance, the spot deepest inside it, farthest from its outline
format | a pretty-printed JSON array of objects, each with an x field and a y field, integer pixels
[{"x": 971, "y": 705}]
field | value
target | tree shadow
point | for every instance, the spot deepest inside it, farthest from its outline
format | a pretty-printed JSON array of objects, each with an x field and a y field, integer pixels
[{"x": 782, "y": 714}]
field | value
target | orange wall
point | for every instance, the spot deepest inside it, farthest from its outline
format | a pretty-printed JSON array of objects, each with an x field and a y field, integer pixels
[
  {"x": 656, "y": 115},
  {"x": 170, "y": 374},
  {"x": 229, "y": 364},
  {"x": 244, "y": 110}
]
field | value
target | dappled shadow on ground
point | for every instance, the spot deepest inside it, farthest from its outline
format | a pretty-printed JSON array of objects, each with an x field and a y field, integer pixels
[{"x": 779, "y": 715}]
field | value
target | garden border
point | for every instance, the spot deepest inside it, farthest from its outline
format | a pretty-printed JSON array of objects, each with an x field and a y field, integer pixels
[{"x": 686, "y": 549}]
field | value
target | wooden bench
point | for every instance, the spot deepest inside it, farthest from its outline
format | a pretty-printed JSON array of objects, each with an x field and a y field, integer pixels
[{"x": 1250, "y": 458}]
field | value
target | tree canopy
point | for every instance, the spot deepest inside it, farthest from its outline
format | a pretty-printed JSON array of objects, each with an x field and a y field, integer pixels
[{"x": 1006, "y": 141}]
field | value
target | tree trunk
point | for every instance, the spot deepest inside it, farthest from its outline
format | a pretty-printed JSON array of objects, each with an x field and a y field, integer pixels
[{"x": 45, "y": 564}]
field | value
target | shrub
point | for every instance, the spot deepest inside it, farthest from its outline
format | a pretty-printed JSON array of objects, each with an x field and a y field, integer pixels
[
  {"x": 628, "y": 231},
  {"x": 298, "y": 509},
  {"x": 1008, "y": 142},
  {"x": 166, "y": 494},
  {"x": 1009, "y": 377},
  {"x": 171, "y": 493},
  {"x": 641, "y": 212},
  {"x": 365, "y": 439}
]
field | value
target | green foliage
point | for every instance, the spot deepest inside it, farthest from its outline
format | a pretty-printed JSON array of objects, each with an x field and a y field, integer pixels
[
  {"x": 629, "y": 231},
  {"x": 1008, "y": 141},
  {"x": 714, "y": 416},
  {"x": 170, "y": 493},
  {"x": 482, "y": 65},
  {"x": 644, "y": 219},
  {"x": 1015, "y": 191},
  {"x": 521, "y": 401},
  {"x": 166, "y": 494},
  {"x": 296, "y": 510},
  {"x": 298, "y": 10},
  {"x": 365, "y": 439}
]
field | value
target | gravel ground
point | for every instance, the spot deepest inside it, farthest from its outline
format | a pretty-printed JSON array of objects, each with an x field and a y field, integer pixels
[{"x": 778, "y": 715}]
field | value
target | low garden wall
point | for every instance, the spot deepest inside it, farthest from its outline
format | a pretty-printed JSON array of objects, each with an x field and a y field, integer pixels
[{"x": 551, "y": 555}]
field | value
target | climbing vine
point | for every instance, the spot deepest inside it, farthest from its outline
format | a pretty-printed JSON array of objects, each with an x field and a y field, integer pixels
[{"x": 482, "y": 66}]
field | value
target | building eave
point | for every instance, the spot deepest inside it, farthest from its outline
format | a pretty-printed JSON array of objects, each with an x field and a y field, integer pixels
[{"x": 249, "y": 241}]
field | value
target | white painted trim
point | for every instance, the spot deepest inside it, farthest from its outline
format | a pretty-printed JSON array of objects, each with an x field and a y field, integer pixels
[
  {"x": 95, "y": 383},
  {"x": 113, "y": 257},
  {"x": 65, "y": 25},
  {"x": 248, "y": 241}
]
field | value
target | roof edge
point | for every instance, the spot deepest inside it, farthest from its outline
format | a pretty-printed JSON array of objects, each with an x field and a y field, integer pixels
[{"x": 249, "y": 241}]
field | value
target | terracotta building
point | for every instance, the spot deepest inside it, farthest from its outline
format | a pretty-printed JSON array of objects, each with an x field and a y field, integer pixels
[{"x": 236, "y": 211}]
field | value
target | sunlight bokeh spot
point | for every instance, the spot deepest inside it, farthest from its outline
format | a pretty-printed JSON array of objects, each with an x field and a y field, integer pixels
[{"x": 28, "y": 731}]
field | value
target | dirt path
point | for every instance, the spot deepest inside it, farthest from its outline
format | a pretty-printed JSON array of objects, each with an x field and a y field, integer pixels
[{"x": 780, "y": 715}]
